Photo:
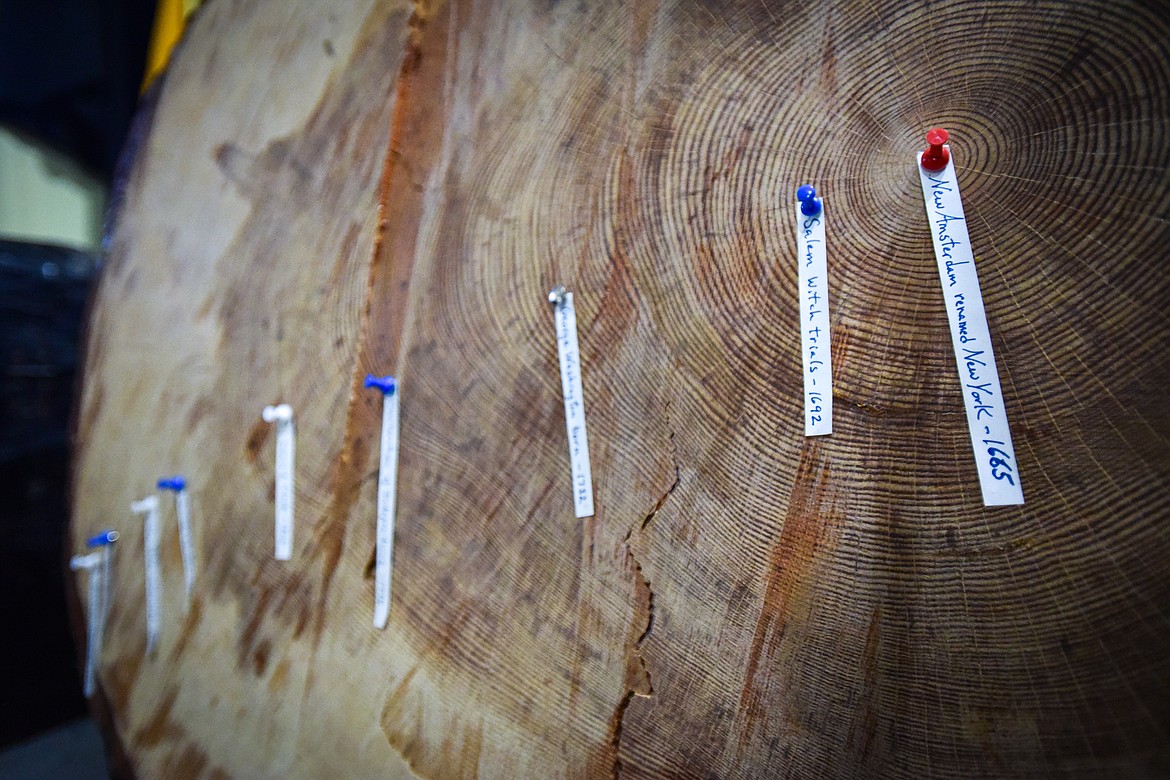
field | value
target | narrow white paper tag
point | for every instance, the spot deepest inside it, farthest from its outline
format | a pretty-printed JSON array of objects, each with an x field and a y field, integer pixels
[
  {"x": 570, "y": 358},
  {"x": 106, "y": 589},
  {"x": 186, "y": 546},
  {"x": 97, "y": 621},
  {"x": 282, "y": 415},
  {"x": 93, "y": 564},
  {"x": 387, "y": 496},
  {"x": 285, "y": 456},
  {"x": 991, "y": 438},
  {"x": 816, "y": 352},
  {"x": 150, "y": 545}
]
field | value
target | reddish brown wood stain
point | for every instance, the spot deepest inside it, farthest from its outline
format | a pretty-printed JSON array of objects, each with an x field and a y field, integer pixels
[
  {"x": 810, "y": 528},
  {"x": 188, "y": 763},
  {"x": 190, "y": 623},
  {"x": 161, "y": 727},
  {"x": 330, "y": 536}
]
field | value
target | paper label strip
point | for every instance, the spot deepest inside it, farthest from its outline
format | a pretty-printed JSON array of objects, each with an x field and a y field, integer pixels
[
  {"x": 94, "y": 565},
  {"x": 987, "y": 422},
  {"x": 285, "y": 457},
  {"x": 387, "y": 497},
  {"x": 186, "y": 546},
  {"x": 105, "y": 597},
  {"x": 150, "y": 542},
  {"x": 97, "y": 620},
  {"x": 816, "y": 353},
  {"x": 569, "y": 353}
]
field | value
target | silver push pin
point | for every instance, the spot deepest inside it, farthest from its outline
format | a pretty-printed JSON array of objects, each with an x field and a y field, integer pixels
[{"x": 556, "y": 296}]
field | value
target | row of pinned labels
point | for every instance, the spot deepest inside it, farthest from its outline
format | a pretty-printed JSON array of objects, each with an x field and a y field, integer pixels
[
  {"x": 987, "y": 418},
  {"x": 98, "y": 562},
  {"x": 282, "y": 416},
  {"x": 982, "y": 394},
  {"x": 978, "y": 375}
]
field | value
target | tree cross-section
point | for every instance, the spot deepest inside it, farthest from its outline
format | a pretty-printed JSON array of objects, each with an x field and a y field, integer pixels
[{"x": 328, "y": 190}]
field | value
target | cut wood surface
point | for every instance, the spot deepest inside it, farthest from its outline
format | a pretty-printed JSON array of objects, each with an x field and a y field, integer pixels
[{"x": 329, "y": 190}]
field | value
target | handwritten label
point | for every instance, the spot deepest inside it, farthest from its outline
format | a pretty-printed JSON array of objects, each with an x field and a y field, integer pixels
[
  {"x": 150, "y": 544},
  {"x": 387, "y": 497},
  {"x": 105, "y": 597},
  {"x": 991, "y": 438},
  {"x": 813, "y": 283},
  {"x": 570, "y": 359},
  {"x": 186, "y": 545},
  {"x": 96, "y": 563},
  {"x": 285, "y": 457}
]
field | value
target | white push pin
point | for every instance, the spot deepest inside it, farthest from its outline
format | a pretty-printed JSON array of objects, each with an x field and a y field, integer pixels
[
  {"x": 387, "y": 495},
  {"x": 178, "y": 485},
  {"x": 84, "y": 562},
  {"x": 282, "y": 415},
  {"x": 149, "y": 507},
  {"x": 556, "y": 296}
]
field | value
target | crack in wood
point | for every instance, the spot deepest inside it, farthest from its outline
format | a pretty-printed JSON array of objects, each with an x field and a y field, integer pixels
[
  {"x": 677, "y": 476},
  {"x": 617, "y": 720}
]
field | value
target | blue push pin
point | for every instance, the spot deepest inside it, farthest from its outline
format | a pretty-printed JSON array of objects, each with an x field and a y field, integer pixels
[
  {"x": 178, "y": 484},
  {"x": 383, "y": 383},
  {"x": 101, "y": 540},
  {"x": 810, "y": 204},
  {"x": 175, "y": 483}
]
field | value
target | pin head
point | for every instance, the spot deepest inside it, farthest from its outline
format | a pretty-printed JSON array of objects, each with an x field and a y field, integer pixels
[
  {"x": 175, "y": 483},
  {"x": 108, "y": 536},
  {"x": 556, "y": 296},
  {"x": 384, "y": 383},
  {"x": 936, "y": 156},
  {"x": 148, "y": 504},
  {"x": 79, "y": 562},
  {"x": 810, "y": 204},
  {"x": 282, "y": 413}
]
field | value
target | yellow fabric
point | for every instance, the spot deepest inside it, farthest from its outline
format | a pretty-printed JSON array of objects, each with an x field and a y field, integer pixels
[{"x": 169, "y": 19}]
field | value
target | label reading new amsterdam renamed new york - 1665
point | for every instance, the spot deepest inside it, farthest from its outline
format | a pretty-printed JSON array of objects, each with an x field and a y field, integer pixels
[{"x": 991, "y": 438}]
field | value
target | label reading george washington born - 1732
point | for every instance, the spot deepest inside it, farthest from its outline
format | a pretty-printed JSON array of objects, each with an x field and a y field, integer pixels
[{"x": 570, "y": 359}]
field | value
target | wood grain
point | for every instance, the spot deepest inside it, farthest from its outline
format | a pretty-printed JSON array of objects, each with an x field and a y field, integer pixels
[{"x": 394, "y": 188}]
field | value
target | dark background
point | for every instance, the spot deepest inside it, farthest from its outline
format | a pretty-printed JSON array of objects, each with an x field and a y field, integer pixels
[{"x": 70, "y": 74}]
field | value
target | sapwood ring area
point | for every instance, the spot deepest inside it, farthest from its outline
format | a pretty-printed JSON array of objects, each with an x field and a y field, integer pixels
[{"x": 330, "y": 190}]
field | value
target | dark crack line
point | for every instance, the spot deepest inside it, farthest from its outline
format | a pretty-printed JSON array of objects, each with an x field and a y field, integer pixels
[
  {"x": 649, "y": 620},
  {"x": 637, "y": 646},
  {"x": 662, "y": 500},
  {"x": 617, "y": 721},
  {"x": 677, "y": 474}
]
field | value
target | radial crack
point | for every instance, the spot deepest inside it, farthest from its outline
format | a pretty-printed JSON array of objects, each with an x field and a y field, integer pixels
[
  {"x": 639, "y": 682},
  {"x": 677, "y": 474},
  {"x": 638, "y": 679},
  {"x": 615, "y": 727}
]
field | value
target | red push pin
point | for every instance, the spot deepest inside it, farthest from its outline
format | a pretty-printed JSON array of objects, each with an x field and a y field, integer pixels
[{"x": 936, "y": 157}]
